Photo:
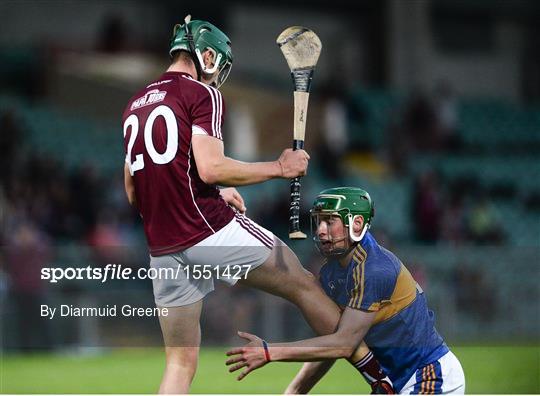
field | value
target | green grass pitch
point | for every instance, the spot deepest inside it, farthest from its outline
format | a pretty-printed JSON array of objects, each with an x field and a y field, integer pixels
[{"x": 487, "y": 369}]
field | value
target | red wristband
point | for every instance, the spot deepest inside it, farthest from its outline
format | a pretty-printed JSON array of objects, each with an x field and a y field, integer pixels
[{"x": 266, "y": 352}]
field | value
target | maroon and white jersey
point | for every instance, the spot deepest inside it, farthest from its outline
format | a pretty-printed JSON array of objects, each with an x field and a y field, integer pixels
[{"x": 177, "y": 207}]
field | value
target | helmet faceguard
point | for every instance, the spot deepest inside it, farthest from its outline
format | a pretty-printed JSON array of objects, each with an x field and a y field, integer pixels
[
  {"x": 345, "y": 203},
  {"x": 195, "y": 37},
  {"x": 328, "y": 247}
]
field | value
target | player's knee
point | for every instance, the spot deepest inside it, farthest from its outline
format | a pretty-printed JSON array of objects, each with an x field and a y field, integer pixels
[
  {"x": 310, "y": 275},
  {"x": 308, "y": 281},
  {"x": 305, "y": 283}
]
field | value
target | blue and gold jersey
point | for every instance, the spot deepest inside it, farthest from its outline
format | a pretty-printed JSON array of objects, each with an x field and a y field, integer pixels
[{"x": 403, "y": 337}]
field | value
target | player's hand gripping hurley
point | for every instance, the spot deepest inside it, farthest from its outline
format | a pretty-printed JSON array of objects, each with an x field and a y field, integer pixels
[{"x": 301, "y": 48}]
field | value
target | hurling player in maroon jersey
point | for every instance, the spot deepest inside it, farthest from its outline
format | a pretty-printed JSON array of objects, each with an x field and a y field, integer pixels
[{"x": 175, "y": 159}]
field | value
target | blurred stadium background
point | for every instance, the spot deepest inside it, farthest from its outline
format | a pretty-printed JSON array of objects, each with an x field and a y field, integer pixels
[{"x": 433, "y": 106}]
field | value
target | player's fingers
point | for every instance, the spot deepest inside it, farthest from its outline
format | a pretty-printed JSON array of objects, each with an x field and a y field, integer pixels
[
  {"x": 247, "y": 336},
  {"x": 233, "y": 360},
  {"x": 302, "y": 154},
  {"x": 240, "y": 200},
  {"x": 238, "y": 203},
  {"x": 237, "y": 367},
  {"x": 234, "y": 203},
  {"x": 244, "y": 373},
  {"x": 286, "y": 151},
  {"x": 235, "y": 351}
]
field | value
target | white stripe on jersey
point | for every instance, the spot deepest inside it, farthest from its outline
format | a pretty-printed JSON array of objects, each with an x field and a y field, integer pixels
[
  {"x": 191, "y": 190},
  {"x": 217, "y": 107},
  {"x": 220, "y": 101}
]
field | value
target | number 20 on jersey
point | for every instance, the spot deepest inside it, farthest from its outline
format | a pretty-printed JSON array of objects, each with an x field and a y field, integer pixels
[{"x": 172, "y": 138}]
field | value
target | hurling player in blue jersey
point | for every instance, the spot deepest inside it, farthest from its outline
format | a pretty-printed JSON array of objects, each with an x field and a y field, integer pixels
[{"x": 381, "y": 304}]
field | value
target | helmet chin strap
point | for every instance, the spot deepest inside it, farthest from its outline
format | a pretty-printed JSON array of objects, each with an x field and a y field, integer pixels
[
  {"x": 351, "y": 234},
  {"x": 355, "y": 239},
  {"x": 191, "y": 43},
  {"x": 205, "y": 69},
  {"x": 207, "y": 72}
]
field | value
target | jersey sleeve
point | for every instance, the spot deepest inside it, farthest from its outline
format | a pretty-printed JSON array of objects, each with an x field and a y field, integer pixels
[
  {"x": 372, "y": 286},
  {"x": 207, "y": 113}
]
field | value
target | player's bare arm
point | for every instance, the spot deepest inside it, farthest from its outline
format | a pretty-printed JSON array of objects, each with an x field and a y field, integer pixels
[
  {"x": 312, "y": 372},
  {"x": 353, "y": 326},
  {"x": 216, "y": 168},
  {"x": 129, "y": 186}
]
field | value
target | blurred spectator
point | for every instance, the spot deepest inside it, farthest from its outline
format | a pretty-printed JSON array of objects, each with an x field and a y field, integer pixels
[
  {"x": 399, "y": 147},
  {"x": 357, "y": 112},
  {"x": 420, "y": 121},
  {"x": 4, "y": 294},
  {"x": 266, "y": 215},
  {"x": 335, "y": 142},
  {"x": 86, "y": 183},
  {"x": 11, "y": 135},
  {"x": 426, "y": 208},
  {"x": 419, "y": 273},
  {"x": 382, "y": 235},
  {"x": 474, "y": 293},
  {"x": 531, "y": 201},
  {"x": 113, "y": 35},
  {"x": 28, "y": 251},
  {"x": 243, "y": 133},
  {"x": 106, "y": 240},
  {"x": 453, "y": 222},
  {"x": 484, "y": 227},
  {"x": 446, "y": 112}
]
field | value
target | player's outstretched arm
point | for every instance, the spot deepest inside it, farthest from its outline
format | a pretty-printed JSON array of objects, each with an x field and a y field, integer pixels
[
  {"x": 362, "y": 359},
  {"x": 353, "y": 326},
  {"x": 216, "y": 168}
]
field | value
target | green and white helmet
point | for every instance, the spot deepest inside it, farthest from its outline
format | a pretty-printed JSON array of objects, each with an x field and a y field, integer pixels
[
  {"x": 347, "y": 203},
  {"x": 197, "y": 36}
]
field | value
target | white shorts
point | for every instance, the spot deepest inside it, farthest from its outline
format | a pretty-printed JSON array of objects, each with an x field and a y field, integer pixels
[
  {"x": 228, "y": 255},
  {"x": 445, "y": 376}
]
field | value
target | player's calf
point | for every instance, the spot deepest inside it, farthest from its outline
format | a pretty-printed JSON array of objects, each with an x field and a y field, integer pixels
[
  {"x": 182, "y": 337},
  {"x": 180, "y": 367}
]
